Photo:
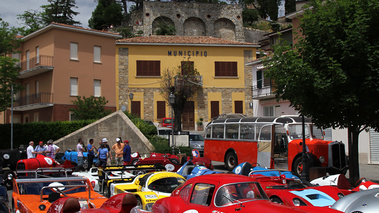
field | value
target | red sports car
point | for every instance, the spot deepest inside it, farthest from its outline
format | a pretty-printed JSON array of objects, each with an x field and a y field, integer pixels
[{"x": 225, "y": 193}]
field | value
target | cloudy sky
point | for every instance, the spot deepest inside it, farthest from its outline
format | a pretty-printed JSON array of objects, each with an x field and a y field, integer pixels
[{"x": 9, "y": 9}]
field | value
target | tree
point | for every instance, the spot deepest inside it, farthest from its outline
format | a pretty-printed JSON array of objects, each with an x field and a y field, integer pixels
[
  {"x": 59, "y": 11},
  {"x": 290, "y": 6},
  {"x": 268, "y": 8},
  {"x": 332, "y": 74},
  {"x": 184, "y": 82},
  {"x": 106, "y": 13},
  {"x": 32, "y": 20},
  {"x": 8, "y": 66},
  {"x": 90, "y": 108}
]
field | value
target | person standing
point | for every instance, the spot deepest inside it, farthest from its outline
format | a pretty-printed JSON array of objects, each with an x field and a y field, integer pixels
[
  {"x": 127, "y": 151},
  {"x": 91, "y": 153},
  {"x": 40, "y": 149},
  {"x": 118, "y": 148},
  {"x": 103, "y": 154},
  {"x": 79, "y": 149},
  {"x": 50, "y": 149},
  {"x": 105, "y": 142},
  {"x": 30, "y": 150}
]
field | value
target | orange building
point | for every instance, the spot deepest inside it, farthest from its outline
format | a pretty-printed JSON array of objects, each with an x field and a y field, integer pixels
[{"x": 58, "y": 63}]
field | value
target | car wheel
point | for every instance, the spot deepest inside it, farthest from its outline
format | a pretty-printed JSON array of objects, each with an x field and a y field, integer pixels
[
  {"x": 231, "y": 161},
  {"x": 174, "y": 161},
  {"x": 139, "y": 202},
  {"x": 106, "y": 192},
  {"x": 276, "y": 200},
  {"x": 85, "y": 164},
  {"x": 297, "y": 168},
  {"x": 8, "y": 179}
]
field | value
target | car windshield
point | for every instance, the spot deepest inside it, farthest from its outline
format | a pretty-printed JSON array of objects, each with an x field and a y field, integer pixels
[
  {"x": 167, "y": 121},
  {"x": 196, "y": 138},
  {"x": 166, "y": 185},
  {"x": 295, "y": 131},
  {"x": 35, "y": 188},
  {"x": 238, "y": 192}
]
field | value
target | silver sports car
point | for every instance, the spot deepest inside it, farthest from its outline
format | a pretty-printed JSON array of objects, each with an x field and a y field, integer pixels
[{"x": 366, "y": 201}]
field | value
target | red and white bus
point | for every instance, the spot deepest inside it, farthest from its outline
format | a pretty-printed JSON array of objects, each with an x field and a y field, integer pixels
[{"x": 261, "y": 139}]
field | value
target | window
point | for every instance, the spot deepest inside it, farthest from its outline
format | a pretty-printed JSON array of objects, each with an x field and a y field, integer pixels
[
  {"x": 268, "y": 111},
  {"x": 27, "y": 93},
  {"x": 148, "y": 68},
  {"x": 73, "y": 87},
  {"x": 37, "y": 89},
  {"x": 226, "y": 69},
  {"x": 261, "y": 80},
  {"x": 18, "y": 57},
  {"x": 72, "y": 117},
  {"x": 238, "y": 107},
  {"x": 185, "y": 192},
  {"x": 27, "y": 59},
  {"x": 97, "y": 54},
  {"x": 37, "y": 55},
  {"x": 73, "y": 51},
  {"x": 202, "y": 194},
  {"x": 97, "y": 88},
  {"x": 187, "y": 67},
  {"x": 215, "y": 109},
  {"x": 161, "y": 109},
  {"x": 36, "y": 117}
]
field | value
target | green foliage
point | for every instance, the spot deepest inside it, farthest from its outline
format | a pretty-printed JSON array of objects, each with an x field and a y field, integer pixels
[
  {"x": 90, "y": 108},
  {"x": 262, "y": 25},
  {"x": 165, "y": 29},
  {"x": 290, "y": 6},
  {"x": 106, "y": 13},
  {"x": 249, "y": 16},
  {"x": 32, "y": 20},
  {"x": 38, "y": 131},
  {"x": 268, "y": 8},
  {"x": 8, "y": 69},
  {"x": 126, "y": 32},
  {"x": 59, "y": 11}
]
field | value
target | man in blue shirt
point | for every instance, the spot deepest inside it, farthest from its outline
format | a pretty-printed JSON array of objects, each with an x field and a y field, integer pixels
[
  {"x": 40, "y": 149},
  {"x": 127, "y": 152},
  {"x": 91, "y": 153}
]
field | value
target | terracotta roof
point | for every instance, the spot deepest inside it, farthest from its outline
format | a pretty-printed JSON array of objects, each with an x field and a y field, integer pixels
[
  {"x": 185, "y": 40},
  {"x": 54, "y": 25}
]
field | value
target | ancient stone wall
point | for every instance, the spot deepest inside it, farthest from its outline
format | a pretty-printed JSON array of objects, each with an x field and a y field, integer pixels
[{"x": 190, "y": 19}]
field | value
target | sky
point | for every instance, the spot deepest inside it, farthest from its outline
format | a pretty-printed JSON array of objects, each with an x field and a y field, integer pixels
[{"x": 9, "y": 9}]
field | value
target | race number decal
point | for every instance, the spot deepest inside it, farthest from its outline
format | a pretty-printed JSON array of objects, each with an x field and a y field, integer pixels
[
  {"x": 6, "y": 156},
  {"x": 191, "y": 211},
  {"x": 151, "y": 197},
  {"x": 134, "y": 155},
  {"x": 238, "y": 170},
  {"x": 169, "y": 167},
  {"x": 49, "y": 161}
]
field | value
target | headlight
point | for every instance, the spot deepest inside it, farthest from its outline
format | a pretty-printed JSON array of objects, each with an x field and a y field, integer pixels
[
  {"x": 340, "y": 195},
  {"x": 322, "y": 159},
  {"x": 42, "y": 207},
  {"x": 298, "y": 202}
]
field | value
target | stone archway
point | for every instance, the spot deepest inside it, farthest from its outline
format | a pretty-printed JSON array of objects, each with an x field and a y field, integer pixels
[
  {"x": 225, "y": 29},
  {"x": 161, "y": 21},
  {"x": 194, "y": 27}
]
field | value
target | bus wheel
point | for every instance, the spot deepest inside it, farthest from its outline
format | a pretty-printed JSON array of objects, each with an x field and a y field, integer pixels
[
  {"x": 231, "y": 161},
  {"x": 297, "y": 167}
]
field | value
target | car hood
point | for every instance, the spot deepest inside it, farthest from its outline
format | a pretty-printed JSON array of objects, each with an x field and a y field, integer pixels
[{"x": 365, "y": 201}]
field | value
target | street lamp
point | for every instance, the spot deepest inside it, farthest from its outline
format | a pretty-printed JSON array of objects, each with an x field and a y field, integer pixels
[
  {"x": 171, "y": 100},
  {"x": 131, "y": 95}
]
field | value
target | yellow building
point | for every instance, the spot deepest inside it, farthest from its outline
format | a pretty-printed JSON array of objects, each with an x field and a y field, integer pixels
[{"x": 221, "y": 63}]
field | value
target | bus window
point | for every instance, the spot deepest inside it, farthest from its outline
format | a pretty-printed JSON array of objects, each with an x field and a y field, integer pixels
[
  {"x": 296, "y": 131},
  {"x": 265, "y": 133},
  {"x": 231, "y": 131},
  {"x": 247, "y": 131},
  {"x": 218, "y": 131},
  {"x": 208, "y": 132},
  {"x": 317, "y": 133}
]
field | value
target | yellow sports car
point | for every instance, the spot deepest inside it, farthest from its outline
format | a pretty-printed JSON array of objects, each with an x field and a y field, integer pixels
[{"x": 149, "y": 187}]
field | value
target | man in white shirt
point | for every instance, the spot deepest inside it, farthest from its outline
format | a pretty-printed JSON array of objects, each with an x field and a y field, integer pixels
[
  {"x": 30, "y": 150},
  {"x": 79, "y": 149}
]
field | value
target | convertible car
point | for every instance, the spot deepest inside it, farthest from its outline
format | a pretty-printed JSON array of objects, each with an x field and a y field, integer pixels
[
  {"x": 284, "y": 188},
  {"x": 92, "y": 175},
  {"x": 190, "y": 170},
  {"x": 224, "y": 193},
  {"x": 121, "y": 203},
  {"x": 36, "y": 193},
  {"x": 150, "y": 187}
]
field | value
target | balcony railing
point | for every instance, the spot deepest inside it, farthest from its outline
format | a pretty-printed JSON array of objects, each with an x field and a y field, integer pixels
[
  {"x": 38, "y": 98},
  {"x": 42, "y": 60},
  {"x": 262, "y": 92}
]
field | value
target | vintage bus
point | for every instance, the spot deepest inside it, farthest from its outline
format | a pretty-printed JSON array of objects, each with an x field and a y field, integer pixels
[{"x": 261, "y": 139}]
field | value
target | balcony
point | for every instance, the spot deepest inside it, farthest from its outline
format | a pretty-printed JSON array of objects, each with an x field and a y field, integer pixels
[
  {"x": 35, "y": 66},
  {"x": 34, "y": 101},
  {"x": 263, "y": 92}
]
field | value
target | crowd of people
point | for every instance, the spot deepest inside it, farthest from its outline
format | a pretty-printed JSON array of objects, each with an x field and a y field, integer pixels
[{"x": 121, "y": 149}]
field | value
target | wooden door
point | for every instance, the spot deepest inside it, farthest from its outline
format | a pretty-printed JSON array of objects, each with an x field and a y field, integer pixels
[{"x": 188, "y": 116}]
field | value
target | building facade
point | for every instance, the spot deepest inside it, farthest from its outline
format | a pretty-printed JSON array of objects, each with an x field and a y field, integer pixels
[
  {"x": 221, "y": 64},
  {"x": 58, "y": 63}
]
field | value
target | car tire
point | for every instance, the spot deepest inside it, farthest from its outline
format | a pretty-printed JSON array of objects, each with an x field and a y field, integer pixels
[
  {"x": 297, "y": 167},
  {"x": 134, "y": 162},
  {"x": 139, "y": 202},
  {"x": 174, "y": 161},
  {"x": 231, "y": 161},
  {"x": 8, "y": 179}
]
